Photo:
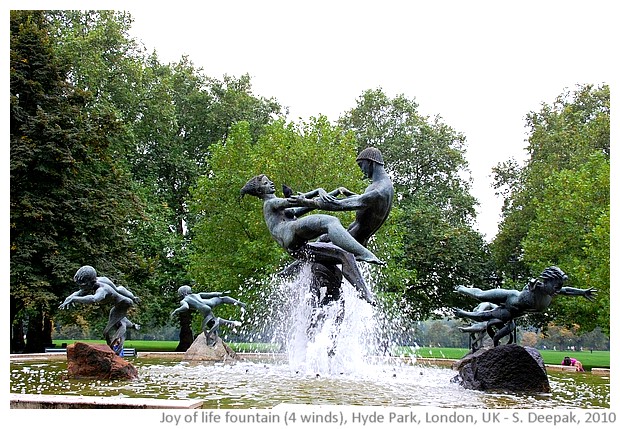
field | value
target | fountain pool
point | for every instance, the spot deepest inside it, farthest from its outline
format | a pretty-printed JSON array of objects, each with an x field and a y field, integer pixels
[{"x": 265, "y": 381}]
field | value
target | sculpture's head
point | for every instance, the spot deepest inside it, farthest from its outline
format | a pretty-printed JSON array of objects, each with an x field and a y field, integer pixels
[
  {"x": 551, "y": 279},
  {"x": 184, "y": 290},
  {"x": 367, "y": 159},
  {"x": 371, "y": 154},
  {"x": 85, "y": 275},
  {"x": 258, "y": 186}
]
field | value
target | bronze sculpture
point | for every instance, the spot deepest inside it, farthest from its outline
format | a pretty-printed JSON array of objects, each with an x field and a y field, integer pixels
[
  {"x": 510, "y": 304},
  {"x": 294, "y": 233},
  {"x": 204, "y": 303},
  {"x": 95, "y": 289},
  {"x": 372, "y": 208}
]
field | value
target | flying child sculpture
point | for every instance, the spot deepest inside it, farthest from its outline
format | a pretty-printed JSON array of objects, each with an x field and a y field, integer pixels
[
  {"x": 101, "y": 289},
  {"x": 204, "y": 302},
  {"x": 535, "y": 297}
]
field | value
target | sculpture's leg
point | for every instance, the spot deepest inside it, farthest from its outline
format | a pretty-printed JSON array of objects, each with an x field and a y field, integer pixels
[
  {"x": 490, "y": 296},
  {"x": 328, "y": 253},
  {"x": 325, "y": 287},
  {"x": 342, "y": 239},
  {"x": 328, "y": 277},
  {"x": 504, "y": 330},
  {"x": 476, "y": 340},
  {"x": 117, "y": 313},
  {"x": 338, "y": 323},
  {"x": 118, "y": 340},
  {"x": 212, "y": 333},
  {"x": 513, "y": 326},
  {"x": 227, "y": 322},
  {"x": 478, "y": 316}
]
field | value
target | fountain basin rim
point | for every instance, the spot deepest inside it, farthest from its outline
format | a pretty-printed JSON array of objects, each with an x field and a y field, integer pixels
[
  {"x": 34, "y": 401},
  {"x": 283, "y": 357}
]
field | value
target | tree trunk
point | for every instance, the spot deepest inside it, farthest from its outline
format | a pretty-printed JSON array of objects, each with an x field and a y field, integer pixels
[
  {"x": 17, "y": 337},
  {"x": 186, "y": 337},
  {"x": 39, "y": 333}
]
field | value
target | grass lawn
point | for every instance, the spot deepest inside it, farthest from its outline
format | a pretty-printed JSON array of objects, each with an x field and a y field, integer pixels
[
  {"x": 170, "y": 346},
  {"x": 595, "y": 359}
]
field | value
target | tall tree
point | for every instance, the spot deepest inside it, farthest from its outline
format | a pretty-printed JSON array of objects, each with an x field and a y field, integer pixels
[
  {"x": 184, "y": 114},
  {"x": 170, "y": 114},
  {"x": 435, "y": 211},
  {"x": 556, "y": 207},
  {"x": 231, "y": 247},
  {"x": 69, "y": 200}
]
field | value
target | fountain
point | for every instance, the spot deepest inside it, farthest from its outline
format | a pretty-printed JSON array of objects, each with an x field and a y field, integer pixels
[
  {"x": 359, "y": 373},
  {"x": 334, "y": 353}
]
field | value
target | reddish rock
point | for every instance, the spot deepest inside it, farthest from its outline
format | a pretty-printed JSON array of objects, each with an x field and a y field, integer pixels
[{"x": 97, "y": 361}]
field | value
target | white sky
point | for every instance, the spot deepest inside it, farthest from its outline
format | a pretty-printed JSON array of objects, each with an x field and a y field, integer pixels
[{"x": 480, "y": 65}]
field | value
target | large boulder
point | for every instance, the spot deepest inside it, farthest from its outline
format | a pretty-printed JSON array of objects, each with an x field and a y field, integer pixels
[
  {"x": 200, "y": 350},
  {"x": 97, "y": 361},
  {"x": 506, "y": 368}
]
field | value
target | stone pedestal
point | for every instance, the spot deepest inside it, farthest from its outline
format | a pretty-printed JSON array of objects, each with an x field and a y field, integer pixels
[
  {"x": 200, "y": 351},
  {"x": 97, "y": 361},
  {"x": 507, "y": 368}
]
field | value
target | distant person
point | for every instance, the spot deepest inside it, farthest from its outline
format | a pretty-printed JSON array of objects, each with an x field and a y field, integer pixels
[{"x": 569, "y": 361}]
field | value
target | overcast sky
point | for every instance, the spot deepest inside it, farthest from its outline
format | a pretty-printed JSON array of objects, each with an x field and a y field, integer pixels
[{"x": 480, "y": 65}]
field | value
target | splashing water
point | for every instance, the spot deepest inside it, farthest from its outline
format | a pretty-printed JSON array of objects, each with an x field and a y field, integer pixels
[{"x": 336, "y": 338}]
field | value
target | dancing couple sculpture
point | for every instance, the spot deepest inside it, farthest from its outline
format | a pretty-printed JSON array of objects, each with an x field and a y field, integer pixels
[
  {"x": 499, "y": 308},
  {"x": 320, "y": 241},
  {"x": 333, "y": 245}
]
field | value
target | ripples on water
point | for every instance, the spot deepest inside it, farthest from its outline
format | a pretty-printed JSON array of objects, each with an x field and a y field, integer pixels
[{"x": 266, "y": 384}]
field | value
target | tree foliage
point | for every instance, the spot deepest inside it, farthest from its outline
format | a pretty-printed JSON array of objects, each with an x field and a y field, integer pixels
[
  {"x": 147, "y": 128},
  {"x": 436, "y": 246},
  {"x": 70, "y": 201},
  {"x": 231, "y": 244},
  {"x": 556, "y": 208}
]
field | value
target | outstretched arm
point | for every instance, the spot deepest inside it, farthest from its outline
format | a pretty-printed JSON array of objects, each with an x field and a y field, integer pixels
[
  {"x": 320, "y": 192},
  {"x": 69, "y": 300},
  {"x": 571, "y": 291},
  {"x": 207, "y": 295},
  {"x": 182, "y": 308},
  {"x": 81, "y": 298},
  {"x": 351, "y": 202}
]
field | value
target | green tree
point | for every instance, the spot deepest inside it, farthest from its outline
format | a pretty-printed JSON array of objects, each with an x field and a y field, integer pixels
[
  {"x": 105, "y": 62},
  {"x": 231, "y": 248},
  {"x": 434, "y": 211},
  {"x": 69, "y": 200},
  {"x": 192, "y": 113},
  {"x": 556, "y": 206},
  {"x": 170, "y": 114},
  {"x": 571, "y": 229}
]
